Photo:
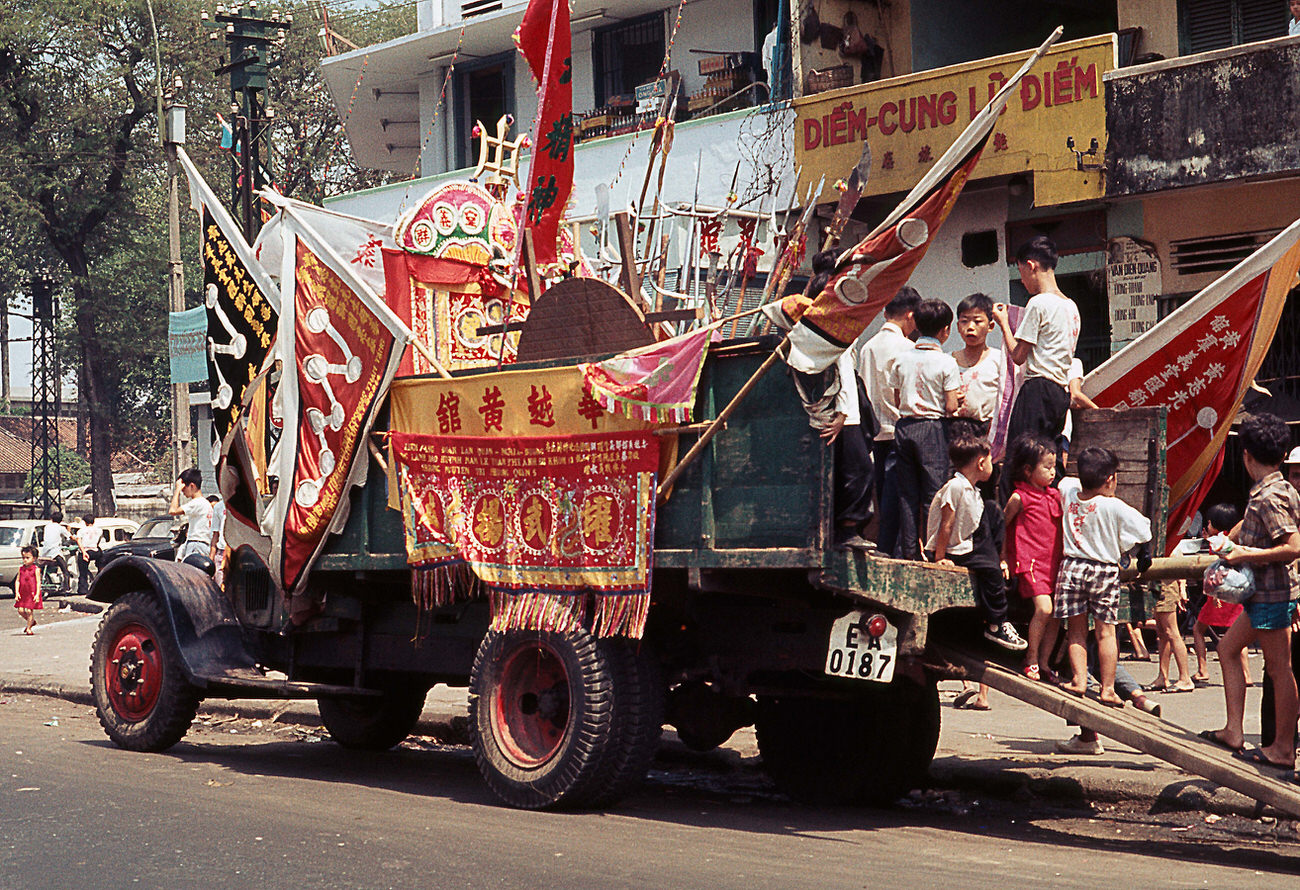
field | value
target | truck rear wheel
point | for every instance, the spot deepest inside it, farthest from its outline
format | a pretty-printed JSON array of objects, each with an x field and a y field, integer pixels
[
  {"x": 638, "y": 720},
  {"x": 541, "y": 715},
  {"x": 142, "y": 697},
  {"x": 372, "y": 724},
  {"x": 871, "y": 748}
]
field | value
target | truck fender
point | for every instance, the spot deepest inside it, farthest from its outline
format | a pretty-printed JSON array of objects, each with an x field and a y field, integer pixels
[{"x": 203, "y": 622}]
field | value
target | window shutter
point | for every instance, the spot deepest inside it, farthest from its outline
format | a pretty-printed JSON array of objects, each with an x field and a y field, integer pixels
[
  {"x": 1262, "y": 19},
  {"x": 1207, "y": 25}
]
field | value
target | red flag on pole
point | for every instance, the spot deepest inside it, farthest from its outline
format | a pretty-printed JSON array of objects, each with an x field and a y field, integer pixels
[
  {"x": 545, "y": 42},
  {"x": 869, "y": 274},
  {"x": 1199, "y": 361}
]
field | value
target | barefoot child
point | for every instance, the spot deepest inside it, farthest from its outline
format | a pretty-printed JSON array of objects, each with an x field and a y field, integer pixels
[
  {"x": 1098, "y": 528},
  {"x": 964, "y": 530},
  {"x": 27, "y": 589},
  {"x": 1032, "y": 550}
]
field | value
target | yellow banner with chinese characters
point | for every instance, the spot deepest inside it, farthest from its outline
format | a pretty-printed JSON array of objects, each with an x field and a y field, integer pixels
[{"x": 910, "y": 121}]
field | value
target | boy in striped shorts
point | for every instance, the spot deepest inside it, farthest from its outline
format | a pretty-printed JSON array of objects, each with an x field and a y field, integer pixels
[{"x": 1098, "y": 528}]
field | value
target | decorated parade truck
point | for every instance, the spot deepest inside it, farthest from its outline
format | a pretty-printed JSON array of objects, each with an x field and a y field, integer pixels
[{"x": 452, "y": 451}]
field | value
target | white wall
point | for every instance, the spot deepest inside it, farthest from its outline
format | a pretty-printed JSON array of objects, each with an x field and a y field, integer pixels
[
  {"x": 942, "y": 276},
  {"x": 724, "y": 25}
]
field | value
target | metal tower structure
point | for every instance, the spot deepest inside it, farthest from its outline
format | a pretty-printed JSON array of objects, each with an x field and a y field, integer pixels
[
  {"x": 249, "y": 39},
  {"x": 45, "y": 477}
]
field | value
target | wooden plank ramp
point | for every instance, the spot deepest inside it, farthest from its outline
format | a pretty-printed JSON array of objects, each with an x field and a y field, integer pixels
[{"x": 1137, "y": 729}]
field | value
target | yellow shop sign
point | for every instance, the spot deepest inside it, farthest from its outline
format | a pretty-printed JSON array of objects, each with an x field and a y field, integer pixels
[{"x": 910, "y": 121}]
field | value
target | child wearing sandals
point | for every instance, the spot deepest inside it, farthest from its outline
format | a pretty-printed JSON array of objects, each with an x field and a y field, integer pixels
[
  {"x": 1032, "y": 548},
  {"x": 1097, "y": 529},
  {"x": 27, "y": 589},
  {"x": 1219, "y": 520}
]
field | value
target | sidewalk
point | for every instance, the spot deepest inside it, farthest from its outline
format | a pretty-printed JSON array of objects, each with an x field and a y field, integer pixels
[{"x": 1006, "y": 751}]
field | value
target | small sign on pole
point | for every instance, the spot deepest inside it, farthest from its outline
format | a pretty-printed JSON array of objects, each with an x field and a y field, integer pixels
[{"x": 1132, "y": 285}]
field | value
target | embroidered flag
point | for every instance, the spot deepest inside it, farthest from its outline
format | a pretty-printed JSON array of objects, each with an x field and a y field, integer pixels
[
  {"x": 557, "y": 528},
  {"x": 242, "y": 304},
  {"x": 544, "y": 40},
  {"x": 868, "y": 275},
  {"x": 340, "y": 348},
  {"x": 1199, "y": 361},
  {"x": 358, "y": 241},
  {"x": 655, "y": 382}
]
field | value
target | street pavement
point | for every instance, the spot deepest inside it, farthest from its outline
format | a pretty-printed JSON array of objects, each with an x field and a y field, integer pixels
[{"x": 1006, "y": 751}]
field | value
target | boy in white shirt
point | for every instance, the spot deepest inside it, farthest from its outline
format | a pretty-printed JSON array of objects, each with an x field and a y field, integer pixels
[
  {"x": 966, "y": 530},
  {"x": 1098, "y": 528},
  {"x": 197, "y": 512},
  {"x": 924, "y": 383},
  {"x": 874, "y": 359},
  {"x": 1044, "y": 343}
]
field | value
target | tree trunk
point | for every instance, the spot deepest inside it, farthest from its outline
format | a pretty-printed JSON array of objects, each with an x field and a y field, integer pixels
[{"x": 98, "y": 403}]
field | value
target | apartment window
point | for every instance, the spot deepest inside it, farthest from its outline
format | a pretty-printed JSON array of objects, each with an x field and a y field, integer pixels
[
  {"x": 485, "y": 90},
  {"x": 1215, "y": 24},
  {"x": 626, "y": 55}
]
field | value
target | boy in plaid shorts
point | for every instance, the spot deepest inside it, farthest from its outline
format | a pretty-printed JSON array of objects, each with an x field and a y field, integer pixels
[
  {"x": 1267, "y": 538},
  {"x": 1098, "y": 528}
]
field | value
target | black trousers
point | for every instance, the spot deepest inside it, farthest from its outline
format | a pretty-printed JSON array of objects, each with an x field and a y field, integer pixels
[
  {"x": 1040, "y": 409},
  {"x": 984, "y": 563},
  {"x": 853, "y": 472},
  {"x": 921, "y": 445}
]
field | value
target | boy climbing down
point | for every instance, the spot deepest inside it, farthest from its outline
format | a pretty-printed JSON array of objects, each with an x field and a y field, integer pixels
[
  {"x": 965, "y": 530},
  {"x": 1098, "y": 528}
]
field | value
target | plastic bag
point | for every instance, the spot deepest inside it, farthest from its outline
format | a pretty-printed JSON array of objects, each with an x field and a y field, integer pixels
[{"x": 1230, "y": 584}]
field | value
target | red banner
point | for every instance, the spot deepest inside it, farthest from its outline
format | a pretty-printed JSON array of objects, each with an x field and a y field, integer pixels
[
  {"x": 344, "y": 357},
  {"x": 545, "y": 42},
  {"x": 1199, "y": 361},
  {"x": 553, "y": 517}
]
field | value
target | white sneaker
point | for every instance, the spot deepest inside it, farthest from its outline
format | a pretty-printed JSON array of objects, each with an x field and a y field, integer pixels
[
  {"x": 1005, "y": 636},
  {"x": 1076, "y": 745}
]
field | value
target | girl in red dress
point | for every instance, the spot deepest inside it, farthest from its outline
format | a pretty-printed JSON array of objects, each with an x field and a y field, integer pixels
[
  {"x": 1032, "y": 548},
  {"x": 27, "y": 589}
]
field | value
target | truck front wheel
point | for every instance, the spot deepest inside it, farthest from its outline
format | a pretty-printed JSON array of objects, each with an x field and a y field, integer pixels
[
  {"x": 143, "y": 699},
  {"x": 541, "y": 715},
  {"x": 372, "y": 724},
  {"x": 870, "y": 748}
]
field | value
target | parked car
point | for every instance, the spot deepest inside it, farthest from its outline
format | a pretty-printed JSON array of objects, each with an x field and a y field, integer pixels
[
  {"x": 155, "y": 538},
  {"x": 15, "y": 534}
]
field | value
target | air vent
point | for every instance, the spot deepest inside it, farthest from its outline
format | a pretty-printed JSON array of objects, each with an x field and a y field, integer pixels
[
  {"x": 479, "y": 7},
  {"x": 257, "y": 589},
  {"x": 1218, "y": 254}
]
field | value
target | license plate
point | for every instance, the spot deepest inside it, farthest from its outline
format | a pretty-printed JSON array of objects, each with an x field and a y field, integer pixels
[{"x": 854, "y": 653}]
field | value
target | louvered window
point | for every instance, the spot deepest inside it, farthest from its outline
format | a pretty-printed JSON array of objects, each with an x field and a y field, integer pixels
[
  {"x": 1215, "y": 24},
  {"x": 1220, "y": 253}
]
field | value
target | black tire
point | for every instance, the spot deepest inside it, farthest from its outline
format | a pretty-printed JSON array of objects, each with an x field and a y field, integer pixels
[
  {"x": 638, "y": 721},
  {"x": 871, "y": 748},
  {"x": 372, "y": 724},
  {"x": 541, "y": 716},
  {"x": 143, "y": 699}
]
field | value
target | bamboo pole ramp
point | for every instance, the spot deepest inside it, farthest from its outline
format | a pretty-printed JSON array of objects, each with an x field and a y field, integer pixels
[{"x": 1137, "y": 729}]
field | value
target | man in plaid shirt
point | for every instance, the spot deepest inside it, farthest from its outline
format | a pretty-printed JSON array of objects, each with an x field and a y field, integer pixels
[{"x": 1268, "y": 539}]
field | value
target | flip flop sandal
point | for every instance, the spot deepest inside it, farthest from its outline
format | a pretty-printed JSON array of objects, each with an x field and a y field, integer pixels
[
  {"x": 1031, "y": 671},
  {"x": 1212, "y": 736},
  {"x": 1172, "y": 689},
  {"x": 964, "y": 698},
  {"x": 1157, "y": 687},
  {"x": 1258, "y": 758}
]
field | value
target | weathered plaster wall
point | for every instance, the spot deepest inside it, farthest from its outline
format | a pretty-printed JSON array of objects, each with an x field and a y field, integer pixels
[{"x": 1203, "y": 119}]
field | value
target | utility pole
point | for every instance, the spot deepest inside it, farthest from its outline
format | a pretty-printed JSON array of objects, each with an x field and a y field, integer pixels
[
  {"x": 248, "y": 42},
  {"x": 173, "y": 136}
]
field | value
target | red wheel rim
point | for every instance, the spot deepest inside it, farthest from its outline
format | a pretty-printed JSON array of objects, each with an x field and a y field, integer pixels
[
  {"x": 133, "y": 673},
  {"x": 530, "y": 713}
]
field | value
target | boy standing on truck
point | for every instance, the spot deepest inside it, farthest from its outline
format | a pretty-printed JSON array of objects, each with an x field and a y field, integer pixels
[
  {"x": 874, "y": 359},
  {"x": 1098, "y": 528},
  {"x": 924, "y": 383},
  {"x": 1267, "y": 539},
  {"x": 1044, "y": 343},
  {"x": 966, "y": 530}
]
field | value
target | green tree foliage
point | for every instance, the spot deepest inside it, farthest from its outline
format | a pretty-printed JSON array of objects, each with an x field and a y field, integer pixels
[
  {"x": 74, "y": 470},
  {"x": 84, "y": 195}
]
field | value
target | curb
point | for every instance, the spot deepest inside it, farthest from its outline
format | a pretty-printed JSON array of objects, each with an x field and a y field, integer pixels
[{"x": 1081, "y": 788}]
